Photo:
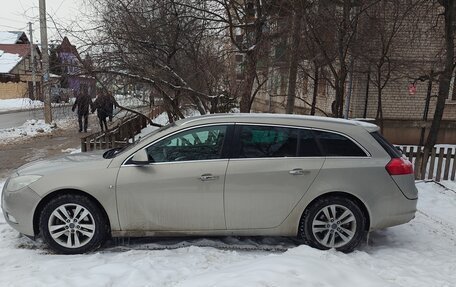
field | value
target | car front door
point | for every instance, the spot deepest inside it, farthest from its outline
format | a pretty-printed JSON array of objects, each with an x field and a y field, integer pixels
[
  {"x": 182, "y": 186},
  {"x": 268, "y": 175}
]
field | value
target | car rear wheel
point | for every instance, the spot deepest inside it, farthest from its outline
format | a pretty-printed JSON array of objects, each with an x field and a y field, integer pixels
[
  {"x": 72, "y": 224},
  {"x": 333, "y": 222}
]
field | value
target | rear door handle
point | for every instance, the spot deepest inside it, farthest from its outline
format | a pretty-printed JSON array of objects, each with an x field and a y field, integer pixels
[
  {"x": 298, "y": 171},
  {"x": 208, "y": 177}
]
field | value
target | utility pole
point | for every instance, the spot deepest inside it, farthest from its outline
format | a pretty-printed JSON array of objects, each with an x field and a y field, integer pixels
[
  {"x": 32, "y": 55},
  {"x": 45, "y": 59}
]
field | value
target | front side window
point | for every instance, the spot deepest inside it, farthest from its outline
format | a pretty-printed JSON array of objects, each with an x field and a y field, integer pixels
[{"x": 196, "y": 144}]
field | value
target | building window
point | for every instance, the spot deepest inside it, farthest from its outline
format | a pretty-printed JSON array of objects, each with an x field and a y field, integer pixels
[
  {"x": 452, "y": 91},
  {"x": 322, "y": 87},
  {"x": 305, "y": 83}
]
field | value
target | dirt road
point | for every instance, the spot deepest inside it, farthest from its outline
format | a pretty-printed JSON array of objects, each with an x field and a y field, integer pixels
[{"x": 18, "y": 153}]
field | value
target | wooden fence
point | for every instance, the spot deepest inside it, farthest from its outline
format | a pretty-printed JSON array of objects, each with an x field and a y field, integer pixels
[
  {"x": 119, "y": 135},
  {"x": 441, "y": 163}
]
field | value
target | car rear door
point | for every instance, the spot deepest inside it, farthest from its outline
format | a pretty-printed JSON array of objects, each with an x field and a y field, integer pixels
[{"x": 270, "y": 170}]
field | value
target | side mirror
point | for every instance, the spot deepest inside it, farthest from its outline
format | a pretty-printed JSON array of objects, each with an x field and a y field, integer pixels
[{"x": 140, "y": 158}]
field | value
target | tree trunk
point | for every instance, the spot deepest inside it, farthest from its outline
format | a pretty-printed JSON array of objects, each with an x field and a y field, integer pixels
[
  {"x": 315, "y": 91},
  {"x": 293, "y": 71},
  {"x": 366, "y": 100},
  {"x": 249, "y": 79},
  {"x": 379, "y": 115},
  {"x": 340, "y": 93},
  {"x": 340, "y": 84},
  {"x": 444, "y": 78}
]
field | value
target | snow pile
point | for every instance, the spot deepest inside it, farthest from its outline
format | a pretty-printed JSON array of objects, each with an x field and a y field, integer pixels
[
  {"x": 31, "y": 128},
  {"x": 27, "y": 104},
  {"x": 161, "y": 119},
  {"x": 72, "y": 150},
  {"x": 419, "y": 254},
  {"x": 130, "y": 101},
  {"x": 8, "y": 61},
  {"x": 19, "y": 104}
]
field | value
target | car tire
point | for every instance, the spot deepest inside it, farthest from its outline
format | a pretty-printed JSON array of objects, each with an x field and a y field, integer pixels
[
  {"x": 73, "y": 224},
  {"x": 333, "y": 222}
]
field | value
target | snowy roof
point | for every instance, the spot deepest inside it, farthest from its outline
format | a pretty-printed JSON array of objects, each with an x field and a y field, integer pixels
[
  {"x": 8, "y": 61},
  {"x": 12, "y": 37}
]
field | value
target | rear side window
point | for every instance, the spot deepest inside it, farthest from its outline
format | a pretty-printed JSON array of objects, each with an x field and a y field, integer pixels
[
  {"x": 265, "y": 141},
  {"x": 338, "y": 145},
  {"x": 307, "y": 146},
  {"x": 271, "y": 141},
  {"x": 389, "y": 148}
]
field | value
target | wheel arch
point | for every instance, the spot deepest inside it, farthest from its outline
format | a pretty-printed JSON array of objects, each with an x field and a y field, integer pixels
[
  {"x": 350, "y": 196},
  {"x": 55, "y": 194}
]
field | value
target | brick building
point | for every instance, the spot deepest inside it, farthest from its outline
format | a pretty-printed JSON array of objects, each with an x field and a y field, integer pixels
[{"x": 414, "y": 51}]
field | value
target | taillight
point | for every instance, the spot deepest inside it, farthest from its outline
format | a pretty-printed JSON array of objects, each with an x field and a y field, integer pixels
[{"x": 399, "y": 166}]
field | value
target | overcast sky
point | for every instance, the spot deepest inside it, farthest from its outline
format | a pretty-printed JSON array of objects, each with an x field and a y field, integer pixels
[{"x": 15, "y": 14}]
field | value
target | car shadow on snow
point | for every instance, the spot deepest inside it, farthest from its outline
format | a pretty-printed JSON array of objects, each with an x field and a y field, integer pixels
[
  {"x": 270, "y": 244},
  {"x": 376, "y": 240}
]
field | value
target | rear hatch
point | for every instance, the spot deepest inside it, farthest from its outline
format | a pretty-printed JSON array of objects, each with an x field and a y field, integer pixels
[{"x": 399, "y": 168}]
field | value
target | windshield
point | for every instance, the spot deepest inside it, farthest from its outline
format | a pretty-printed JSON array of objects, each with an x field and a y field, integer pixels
[{"x": 112, "y": 153}]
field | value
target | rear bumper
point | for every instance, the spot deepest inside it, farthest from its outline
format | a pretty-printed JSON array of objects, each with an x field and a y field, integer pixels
[{"x": 399, "y": 213}]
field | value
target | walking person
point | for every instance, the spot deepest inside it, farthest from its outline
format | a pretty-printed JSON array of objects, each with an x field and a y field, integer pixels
[
  {"x": 101, "y": 105},
  {"x": 110, "y": 105},
  {"x": 83, "y": 103}
]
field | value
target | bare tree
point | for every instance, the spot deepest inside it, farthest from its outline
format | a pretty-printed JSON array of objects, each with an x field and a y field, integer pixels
[
  {"x": 445, "y": 76},
  {"x": 294, "y": 58},
  {"x": 377, "y": 42},
  {"x": 169, "y": 47}
]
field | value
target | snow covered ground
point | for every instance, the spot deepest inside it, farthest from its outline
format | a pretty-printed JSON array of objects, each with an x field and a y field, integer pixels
[
  {"x": 28, "y": 104},
  {"x": 32, "y": 128},
  {"x": 420, "y": 253},
  {"x": 19, "y": 104}
]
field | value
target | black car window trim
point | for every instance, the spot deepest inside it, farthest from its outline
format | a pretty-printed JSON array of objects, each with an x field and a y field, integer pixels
[
  {"x": 392, "y": 151},
  {"x": 236, "y": 146},
  {"x": 225, "y": 147}
]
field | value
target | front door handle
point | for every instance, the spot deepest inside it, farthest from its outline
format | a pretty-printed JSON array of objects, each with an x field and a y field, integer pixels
[
  {"x": 298, "y": 171},
  {"x": 208, "y": 177}
]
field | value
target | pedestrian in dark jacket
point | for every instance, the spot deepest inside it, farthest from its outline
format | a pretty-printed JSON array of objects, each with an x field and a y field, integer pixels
[
  {"x": 102, "y": 105},
  {"x": 110, "y": 105},
  {"x": 82, "y": 103}
]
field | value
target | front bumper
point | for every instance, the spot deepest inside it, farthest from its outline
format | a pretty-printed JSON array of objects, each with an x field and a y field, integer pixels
[{"x": 18, "y": 209}]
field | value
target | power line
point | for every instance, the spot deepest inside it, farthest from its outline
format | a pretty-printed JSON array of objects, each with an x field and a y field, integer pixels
[
  {"x": 15, "y": 28},
  {"x": 12, "y": 20}
]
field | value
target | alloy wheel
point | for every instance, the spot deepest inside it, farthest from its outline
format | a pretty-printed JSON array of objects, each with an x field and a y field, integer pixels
[
  {"x": 334, "y": 226},
  {"x": 71, "y": 225}
]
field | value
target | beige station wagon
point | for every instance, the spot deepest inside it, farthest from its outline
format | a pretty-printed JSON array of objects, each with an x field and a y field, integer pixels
[{"x": 326, "y": 181}]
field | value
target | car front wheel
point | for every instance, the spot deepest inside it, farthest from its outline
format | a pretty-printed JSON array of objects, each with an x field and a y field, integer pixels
[
  {"x": 72, "y": 224},
  {"x": 333, "y": 222}
]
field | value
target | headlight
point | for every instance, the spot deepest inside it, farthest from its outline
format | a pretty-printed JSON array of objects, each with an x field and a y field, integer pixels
[{"x": 22, "y": 181}]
